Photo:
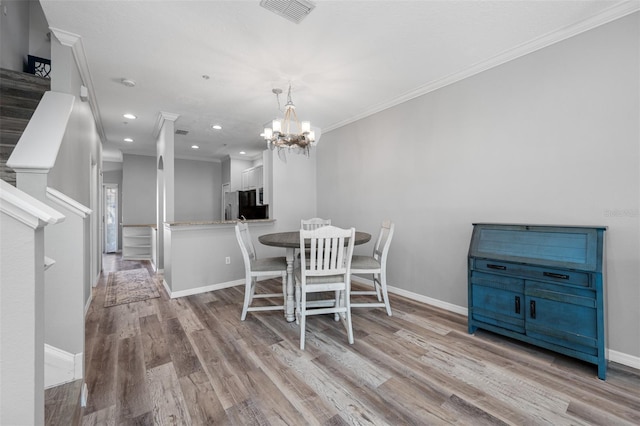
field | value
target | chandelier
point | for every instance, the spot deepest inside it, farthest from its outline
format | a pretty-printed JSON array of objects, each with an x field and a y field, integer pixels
[{"x": 289, "y": 132}]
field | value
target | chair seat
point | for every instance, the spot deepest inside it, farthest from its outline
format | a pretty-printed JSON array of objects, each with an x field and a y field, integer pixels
[
  {"x": 325, "y": 279},
  {"x": 364, "y": 262},
  {"x": 269, "y": 264}
]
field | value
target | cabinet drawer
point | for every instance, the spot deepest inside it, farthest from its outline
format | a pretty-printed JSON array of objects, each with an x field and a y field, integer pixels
[{"x": 560, "y": 276}]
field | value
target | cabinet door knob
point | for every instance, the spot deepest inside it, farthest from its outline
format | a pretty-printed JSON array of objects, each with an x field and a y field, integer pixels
[{"x": 532, "y": 309}]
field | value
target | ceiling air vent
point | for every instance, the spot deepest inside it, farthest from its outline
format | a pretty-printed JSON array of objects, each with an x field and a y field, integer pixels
[
  {"x": 293, "y": 10},
  {"x": 182, "y": 132}
]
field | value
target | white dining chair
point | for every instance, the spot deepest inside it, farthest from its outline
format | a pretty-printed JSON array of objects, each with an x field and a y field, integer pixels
[
  {"x": 325, "y": 270},
  {"x": 259, "y": 268},
  {"x": 376, "y": 265},
  {"x": 314, "y": 223}
]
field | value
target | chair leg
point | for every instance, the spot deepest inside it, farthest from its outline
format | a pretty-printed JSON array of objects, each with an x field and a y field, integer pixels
[
  {"x": 303, "y": 318},
  {"x": 385, "y": 294},
  {"x": 347, "y": 305},
  {"x": 297, "y": 312},
  {"x": 248, "y": 296},
  {"x": 376, "y": 285}
]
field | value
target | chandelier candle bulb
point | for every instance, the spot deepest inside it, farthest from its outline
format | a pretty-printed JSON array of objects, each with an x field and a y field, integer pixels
[
  {"x": 306, "y": 127},
  {"x": 268, "y": 133},
  {"x": 277, "y": 126}
]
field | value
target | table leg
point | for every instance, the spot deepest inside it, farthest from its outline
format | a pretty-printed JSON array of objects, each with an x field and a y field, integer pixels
[{"x": 289, "y": 311}]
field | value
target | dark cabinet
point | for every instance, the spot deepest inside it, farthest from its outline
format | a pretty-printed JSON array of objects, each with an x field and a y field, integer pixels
[{"x": 540, "y": 284}]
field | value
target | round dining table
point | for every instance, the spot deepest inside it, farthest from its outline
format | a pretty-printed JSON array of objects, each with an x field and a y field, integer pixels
[{"x": 290, "y": 240}]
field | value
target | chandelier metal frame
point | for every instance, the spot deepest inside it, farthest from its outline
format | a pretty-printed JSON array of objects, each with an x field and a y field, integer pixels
[{"x": 282, "y": 135}]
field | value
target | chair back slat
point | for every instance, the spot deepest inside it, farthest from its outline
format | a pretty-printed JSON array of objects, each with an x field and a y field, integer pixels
[
  {"x": 246, "y": 244},
  {"x": 384, "y": 240},
  {"x": 327, "y": 252},
  {"x": 314, "y": 223}
]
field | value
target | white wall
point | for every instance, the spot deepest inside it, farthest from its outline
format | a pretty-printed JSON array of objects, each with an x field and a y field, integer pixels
[
  {"x": 550, "y": 138},
  {"x": 14, "y": 35},
  {"x": 77, "y": 169},
  {"x": 138, "y": 190},
  {"x": 23, "y": 32},
  {"x": 39, "y": 43},
  {"x": 197, "y": 190}
]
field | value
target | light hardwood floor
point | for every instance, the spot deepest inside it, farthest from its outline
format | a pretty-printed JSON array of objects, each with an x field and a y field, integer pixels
[{"x": 192, "y": 361}]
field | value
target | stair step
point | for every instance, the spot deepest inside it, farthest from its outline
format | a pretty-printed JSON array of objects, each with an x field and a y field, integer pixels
[
  {"x": 13, "y": 124},
  {"x": 9, "y": 137},
  {"x": 9, "y": 111},
  {"x": 23, "y": 80},
  {"x": 6, "y": 173},
  {"x": 21, "y": 93}
]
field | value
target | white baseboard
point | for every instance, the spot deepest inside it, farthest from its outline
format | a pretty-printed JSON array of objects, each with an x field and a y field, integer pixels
[
  {"x": 84, "y": 396},
  {"x": 624, "y": 359},
  {"x": 198, "y": 290},
  {"x": 611, "y": 355},
  {"x": 88, "y": 304},
  {"x": 60, "y": 366},
  {"x": 417, "y": 297}
]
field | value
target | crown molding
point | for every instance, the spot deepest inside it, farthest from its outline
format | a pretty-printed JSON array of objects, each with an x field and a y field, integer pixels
[
  {"x": 162, "y": 117},
  {"x": 74, "y": 41},
  {"x": 610, "y": 14}
]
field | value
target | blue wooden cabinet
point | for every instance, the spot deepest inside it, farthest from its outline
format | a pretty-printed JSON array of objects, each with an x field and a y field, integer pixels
[{"x": 542, "y": 285}]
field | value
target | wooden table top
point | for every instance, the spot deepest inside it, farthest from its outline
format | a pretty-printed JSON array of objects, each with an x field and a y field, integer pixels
[{"x": 292, "y": 239}]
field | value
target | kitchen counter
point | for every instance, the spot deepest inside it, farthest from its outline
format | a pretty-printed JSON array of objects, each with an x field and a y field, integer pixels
[
  {"x": 216, "y": 222},
  {"x": 201, "y": 256}
]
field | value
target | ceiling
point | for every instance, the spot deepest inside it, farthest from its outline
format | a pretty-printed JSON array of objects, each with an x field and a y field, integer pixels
[{"x": 216, "y": 62}]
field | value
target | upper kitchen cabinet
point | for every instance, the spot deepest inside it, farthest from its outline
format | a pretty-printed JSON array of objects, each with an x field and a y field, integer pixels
[
  {"x": 232, "y": 170},
  {"x": 252, "y": 178}
]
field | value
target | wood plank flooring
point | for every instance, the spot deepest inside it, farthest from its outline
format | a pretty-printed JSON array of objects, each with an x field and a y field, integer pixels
[{"x": 191, "y": 361}]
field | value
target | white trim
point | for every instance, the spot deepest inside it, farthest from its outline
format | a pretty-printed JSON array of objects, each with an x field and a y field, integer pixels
[
  {"x": 198, "y": 290},
  {"x": 68, "y": 202},
  {"x": 415, "y": 296},
  {"x": 40, "y": 142},
  {"x": 611, "y": 355},
  {"x": 88, "y": 304},
  {"x": 617, "y": 11},
  {"x": 74, "y": 41},
  {"x": 60, "y": 366},
  {"x": 26, "y": 209},
  {"x": 84, "y": 396},
  {"x": 48, "y": 262},
  {"x": 162, "y": 117},
  {"x": 622, "y": 358}
]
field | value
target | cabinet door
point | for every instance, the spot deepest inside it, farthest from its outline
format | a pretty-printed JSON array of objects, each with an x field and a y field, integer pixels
[
  {"x": 497, "y": 300},
  {"x": 245, "y": 179},
  {"x": 561, "y": 315}
]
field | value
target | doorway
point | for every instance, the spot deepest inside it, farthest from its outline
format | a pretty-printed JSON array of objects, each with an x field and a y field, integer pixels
[{"x": 110, "y": 218}]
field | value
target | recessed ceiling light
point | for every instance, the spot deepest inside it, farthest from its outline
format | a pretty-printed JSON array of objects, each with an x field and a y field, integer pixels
[
  {"x": 216, "y": 127},
  {"x": 128, "y": 140},
  {"x": 129, "y": 116},
  {"x": 242, "y": 153},
  {"x": 195, "y": 147}
]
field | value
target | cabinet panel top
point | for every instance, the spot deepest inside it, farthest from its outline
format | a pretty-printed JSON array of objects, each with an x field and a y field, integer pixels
[{"x": 572, "y": 247}]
